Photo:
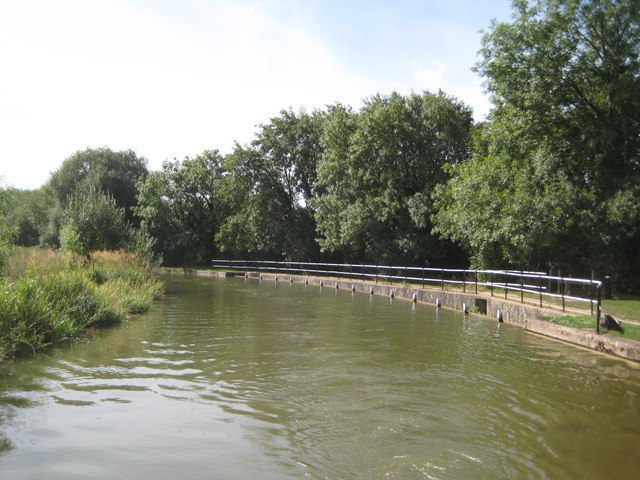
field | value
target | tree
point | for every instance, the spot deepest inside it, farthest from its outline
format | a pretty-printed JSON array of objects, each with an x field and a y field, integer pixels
[
  {"x": 27, "y": 215},
  {"x": 268, "y": 189},
  {"x": 378, "y": 173},
  {"x": 504, "y": 210},
  {"x": 115, "y": 173},
  {"x": 564, "y": 77},
  {"x": 6, "y": 231},
  {"x": 180, "y": 206},
  {"x": 92, "y": 221}
]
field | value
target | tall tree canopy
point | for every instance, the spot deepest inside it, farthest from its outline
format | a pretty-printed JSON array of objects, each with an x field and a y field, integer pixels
[
  {"x": 558, "y": 169},
  {"x": 378, "y": 173},
  {"x": 180, "y": 206},
  {"x": 114, "y": 173},
  {"x": 269, "y": 187}
]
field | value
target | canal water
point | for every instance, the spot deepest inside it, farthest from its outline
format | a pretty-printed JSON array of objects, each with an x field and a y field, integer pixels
[{"x": 243, "y": 379}]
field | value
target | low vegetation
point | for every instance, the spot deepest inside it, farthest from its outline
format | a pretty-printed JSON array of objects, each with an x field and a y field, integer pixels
[
  {"x": 630, "y": 330},
  {"x": 47, "y": 297}
]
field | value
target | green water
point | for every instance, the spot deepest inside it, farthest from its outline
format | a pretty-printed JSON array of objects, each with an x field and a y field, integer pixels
[{"x": 242, "y": 379}]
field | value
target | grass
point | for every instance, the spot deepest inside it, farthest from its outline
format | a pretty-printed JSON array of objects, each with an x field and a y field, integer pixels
[
  {"x": 47, "y": 297},
  {"x": 631, "y": 331},
  {"x": 627, "y": 307}
]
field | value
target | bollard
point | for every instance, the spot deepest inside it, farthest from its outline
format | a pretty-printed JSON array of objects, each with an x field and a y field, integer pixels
[
  {"x": 370, "y": 290},
  {"x": 438, "y": 303},
  {"x": 499, "y": 316},
  {"x": 465, "y": 308},
  {"x": 392, "y": 294},
  {"x": 414, "y": 297}
]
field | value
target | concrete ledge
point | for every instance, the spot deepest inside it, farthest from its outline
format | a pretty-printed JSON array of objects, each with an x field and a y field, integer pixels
[
  {"x": 611, "y": 345},
  {"x": 200, "y": 273}
]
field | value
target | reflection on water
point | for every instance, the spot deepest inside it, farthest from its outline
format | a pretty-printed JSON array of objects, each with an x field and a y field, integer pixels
[{"x": 239, "y": 378}]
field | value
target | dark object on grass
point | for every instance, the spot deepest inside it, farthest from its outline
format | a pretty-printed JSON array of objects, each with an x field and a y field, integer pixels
[{"x": 610, "y": 323}]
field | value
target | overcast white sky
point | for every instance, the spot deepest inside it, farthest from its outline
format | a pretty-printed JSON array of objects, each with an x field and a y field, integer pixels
[{"x": 171, "y": 78}]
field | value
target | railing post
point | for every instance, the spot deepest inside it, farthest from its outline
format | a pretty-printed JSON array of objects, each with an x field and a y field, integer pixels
[
  {"x": 506, "y": 286},
  {"x": 562, "y": 291},
  {"x": 475, "y": 276},
  {"x": 591, "y": 292},
  {"x": 521, "y": 286},
  {"x": 422, "y": 277},
  {"x": 540, "y": 289},
  {"x": 598, "y": 307},
  {"x": 442, "y": 278},
  {"x": 491, "y": 283},
  {"x": 560, "y": 285},
  {"x": 464, "y": 281},
  {"x": 607, "y": 287}
]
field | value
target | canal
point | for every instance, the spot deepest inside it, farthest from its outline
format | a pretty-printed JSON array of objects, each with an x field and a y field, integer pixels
[{"x": 239, "y": 379}]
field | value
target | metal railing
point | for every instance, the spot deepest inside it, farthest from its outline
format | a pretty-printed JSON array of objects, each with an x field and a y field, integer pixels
[{"x": 536, "y": 285}]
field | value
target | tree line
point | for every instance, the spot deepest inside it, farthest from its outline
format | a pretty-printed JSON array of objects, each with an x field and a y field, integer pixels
[{"x": 550, "y": 181}]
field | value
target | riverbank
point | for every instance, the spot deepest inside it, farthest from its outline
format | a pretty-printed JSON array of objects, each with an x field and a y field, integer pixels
[
  {"x": 48, "y": 297},
  {"x": 525, "y": 315}
]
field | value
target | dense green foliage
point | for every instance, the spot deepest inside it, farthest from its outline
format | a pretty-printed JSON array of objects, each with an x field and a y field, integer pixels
[
  {"x": 550, "y": 181},
  {"x": 554, "y": 179},
  {"x": 115, "y": 173},
  {"x": 46, "y": 297},
  {"x": 268, "y": 188},
  {"x": 38, "y": 216},
  {"x": 179, "y": 206},
  {"x": 5, "y": 228},
  {"x": 92, "y": 221},
  {"x": 379, "y": 170}
]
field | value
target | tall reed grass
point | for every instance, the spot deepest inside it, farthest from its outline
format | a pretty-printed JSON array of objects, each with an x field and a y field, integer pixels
[{"x": 47, "y": 297}]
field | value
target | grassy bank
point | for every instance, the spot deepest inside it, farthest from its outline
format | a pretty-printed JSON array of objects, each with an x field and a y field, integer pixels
[
  {"x": 625, "y": 310},
  {"x": 47, "y": 297}
]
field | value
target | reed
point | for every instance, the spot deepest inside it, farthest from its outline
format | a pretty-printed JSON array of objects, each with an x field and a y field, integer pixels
[{"x": 47, "y": 297}]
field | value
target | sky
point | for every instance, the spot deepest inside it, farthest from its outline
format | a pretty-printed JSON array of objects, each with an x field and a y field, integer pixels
[{"x": 172, "y": 78}]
